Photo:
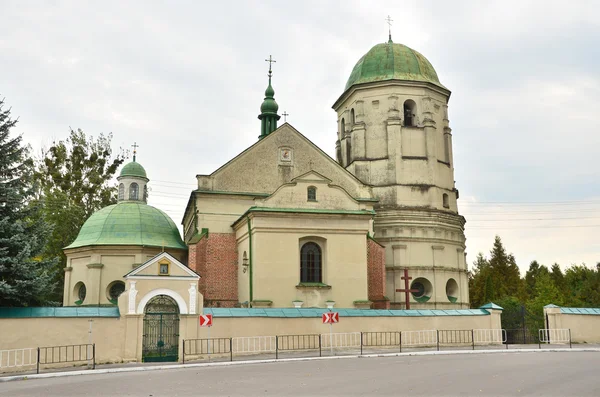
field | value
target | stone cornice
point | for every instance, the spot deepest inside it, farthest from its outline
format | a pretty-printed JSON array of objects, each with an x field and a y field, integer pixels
[{"x": 95, "y": 265}]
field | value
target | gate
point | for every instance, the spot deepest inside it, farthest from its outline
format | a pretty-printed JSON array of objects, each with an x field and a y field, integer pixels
[{"x": 161, "y": 330}]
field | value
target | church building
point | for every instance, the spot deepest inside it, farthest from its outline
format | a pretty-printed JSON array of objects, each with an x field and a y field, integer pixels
[{"x": 284, "y": 225}]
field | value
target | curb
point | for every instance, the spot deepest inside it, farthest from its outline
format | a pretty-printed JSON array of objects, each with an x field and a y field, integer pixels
[{"x": 282, "y": 360}]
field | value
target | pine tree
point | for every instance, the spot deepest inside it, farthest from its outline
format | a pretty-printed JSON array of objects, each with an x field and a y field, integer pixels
[
  {"x": 25, "y": 279},
  {"x": 505, "y": 272}
]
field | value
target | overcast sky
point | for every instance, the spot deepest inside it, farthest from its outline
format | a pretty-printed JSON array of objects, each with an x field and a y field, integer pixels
[{"x": 185, "y": 79}]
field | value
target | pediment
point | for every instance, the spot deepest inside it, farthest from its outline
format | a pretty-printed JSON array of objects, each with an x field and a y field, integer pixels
[
  {"x": 312, "y": 177},
  {"x": 162, "y": 265}
]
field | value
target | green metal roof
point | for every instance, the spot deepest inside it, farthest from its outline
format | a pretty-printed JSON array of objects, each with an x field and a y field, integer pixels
[
  {"x": 293, "y": 312},
  {"x": 491, "y": 305},
  {"x": 392, "y": 61},
  {"x": 133, "y": 169},
  {"x": 33, "y": 312},
  {"x": 129, "y": 223},
  {"x": 580, "y": 310}
]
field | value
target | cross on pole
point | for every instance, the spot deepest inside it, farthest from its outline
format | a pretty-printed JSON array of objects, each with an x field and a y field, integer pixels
[
  {"x": 285, "y": 114},
  {"x": 271, "y": 61},
  {"x": 389, "y": 21},
  {"x": 135, "y": 146},
  {"x": 406, "y": 288}
]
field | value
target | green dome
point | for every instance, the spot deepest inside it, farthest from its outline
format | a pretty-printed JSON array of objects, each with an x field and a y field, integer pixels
[
  {"x": 269, "y": 105},
  {"x": 129, "y": 223},
  {"x": 133, "y": 169},
  {"x": 391, "y": 61}
]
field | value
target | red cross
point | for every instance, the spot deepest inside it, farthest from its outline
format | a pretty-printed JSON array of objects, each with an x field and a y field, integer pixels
[{"x": 406, "y": 289}]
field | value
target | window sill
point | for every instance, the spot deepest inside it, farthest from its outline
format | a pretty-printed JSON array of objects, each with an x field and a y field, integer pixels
[{"x": 313, "y": 285}]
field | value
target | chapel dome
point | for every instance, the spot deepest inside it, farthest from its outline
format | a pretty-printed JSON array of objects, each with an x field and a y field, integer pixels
[
  {"x": 133, "y": 169},
  {"x": 129, "y": 223},
  {"x": 392, "y": 61}
]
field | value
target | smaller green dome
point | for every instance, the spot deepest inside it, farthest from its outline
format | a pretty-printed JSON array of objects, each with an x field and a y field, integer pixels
[
  {"x": 129, "y": 223},
  {"x": 133, "y": 169},
  {"x": 269, "y": 105}
]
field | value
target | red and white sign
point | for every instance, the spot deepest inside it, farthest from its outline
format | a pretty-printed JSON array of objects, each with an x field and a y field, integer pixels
[
  {"x": 331, "y": 318},
  {"x": 206, "y": 320}
]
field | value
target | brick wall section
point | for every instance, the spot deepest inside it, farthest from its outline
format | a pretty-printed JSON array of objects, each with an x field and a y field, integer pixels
[
  {"x": 215, "y": 258},
  {"x": 376, "y": 275}
]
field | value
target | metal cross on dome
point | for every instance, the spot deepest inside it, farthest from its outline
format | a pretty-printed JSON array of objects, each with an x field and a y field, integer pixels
[
  {"x": 406, "y": 289},
  {"x": 271, "y": 61},
  {"x": 135, "y": 146},
  {"x": 389, "y": 21}
]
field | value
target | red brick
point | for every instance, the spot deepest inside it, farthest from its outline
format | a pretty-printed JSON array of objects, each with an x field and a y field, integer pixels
[
  {"x": 376, "y": 275},
  {"x": 215, "y": 258}
]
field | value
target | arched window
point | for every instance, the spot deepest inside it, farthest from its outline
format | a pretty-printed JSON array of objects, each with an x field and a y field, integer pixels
[
  {"x": 410, "y": 108},
  {"x": 121, "y": 192},
  {"x": 310, "y": 263},
  {"x": 352, "y": 119},
  {"x": 311, "y": 193},
  {"x": 343, "y": 127},
  {"x": 445, "y": 200},
  {"x": 134, "y": 191}
]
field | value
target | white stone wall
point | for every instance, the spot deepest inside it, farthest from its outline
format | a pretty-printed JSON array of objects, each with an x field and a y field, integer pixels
[{"x": 411, "y": 170}]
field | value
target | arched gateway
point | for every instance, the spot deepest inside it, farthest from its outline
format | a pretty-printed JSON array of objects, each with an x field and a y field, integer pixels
[{"x": 161, "y": 330}]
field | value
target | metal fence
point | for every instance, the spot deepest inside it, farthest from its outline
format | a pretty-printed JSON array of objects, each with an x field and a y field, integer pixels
[
  {"x": 489, "y": 336},
  {"x": 555, "y": 336},
  {"x": 66, "y": 354},
  {"x": 14, "y": 358},
  {"x": 380, "y": 339},
  {"x": 419, "y": 338},
  {"x": 455, "y": 337},
  {"x": 297, "y": 343},
  {"x": 253, "y": 344},
  {"x": 198, "y": 347}
]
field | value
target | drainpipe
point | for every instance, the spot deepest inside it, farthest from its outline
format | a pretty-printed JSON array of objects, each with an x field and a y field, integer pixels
[{"x": 250, "y": 260}]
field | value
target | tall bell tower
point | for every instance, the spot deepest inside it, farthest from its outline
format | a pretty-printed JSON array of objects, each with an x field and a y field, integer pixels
[{"x": 394, "y": 134}]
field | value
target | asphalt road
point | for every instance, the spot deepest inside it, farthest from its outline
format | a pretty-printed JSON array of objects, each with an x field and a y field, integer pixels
[{"x": 516, "y": 374}]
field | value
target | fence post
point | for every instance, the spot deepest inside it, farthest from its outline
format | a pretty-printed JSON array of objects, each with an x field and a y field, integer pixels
[
  {"x": 473, "y": 338},
  {"x": 183, "y": 352},
  {"x": 438, "y": 339},
  {"x": 94, "y": 356},
  {"x": 320, "y": 346},
  {"x": 361, "y": 343},
  {"x": 38, "y": 361},
  {"x": 570, "y": 345},
  {"x": 539, "y": 339},
  {"x": 276, "y": 347},
  {"x": 230, "y": 349},
  {"x": 400, "y": 341}
]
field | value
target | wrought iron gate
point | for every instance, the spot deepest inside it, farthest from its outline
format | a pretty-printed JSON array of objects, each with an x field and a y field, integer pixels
[{"x": 161, "y": 330}]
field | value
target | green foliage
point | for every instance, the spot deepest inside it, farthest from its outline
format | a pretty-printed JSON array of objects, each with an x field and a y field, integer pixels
[
  {"x": 25, "y": 278},
  {"x": 74, "y": 177},
  {"x": 545, "y": 293},
  {"x": 497, "y": 280}
]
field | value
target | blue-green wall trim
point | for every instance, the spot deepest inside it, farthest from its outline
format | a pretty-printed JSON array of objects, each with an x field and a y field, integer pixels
[
  {"x": 37, "y": 312},
  {"x": 292, "y": 312}
]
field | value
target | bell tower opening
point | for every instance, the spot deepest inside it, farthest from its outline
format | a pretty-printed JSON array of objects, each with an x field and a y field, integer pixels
[{"x": 410, "y": 108}]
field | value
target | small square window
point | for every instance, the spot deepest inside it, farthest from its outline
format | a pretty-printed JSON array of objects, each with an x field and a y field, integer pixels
[
  {"x": 164, "y": 268},
  {"x": 312, "y": 194}
]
